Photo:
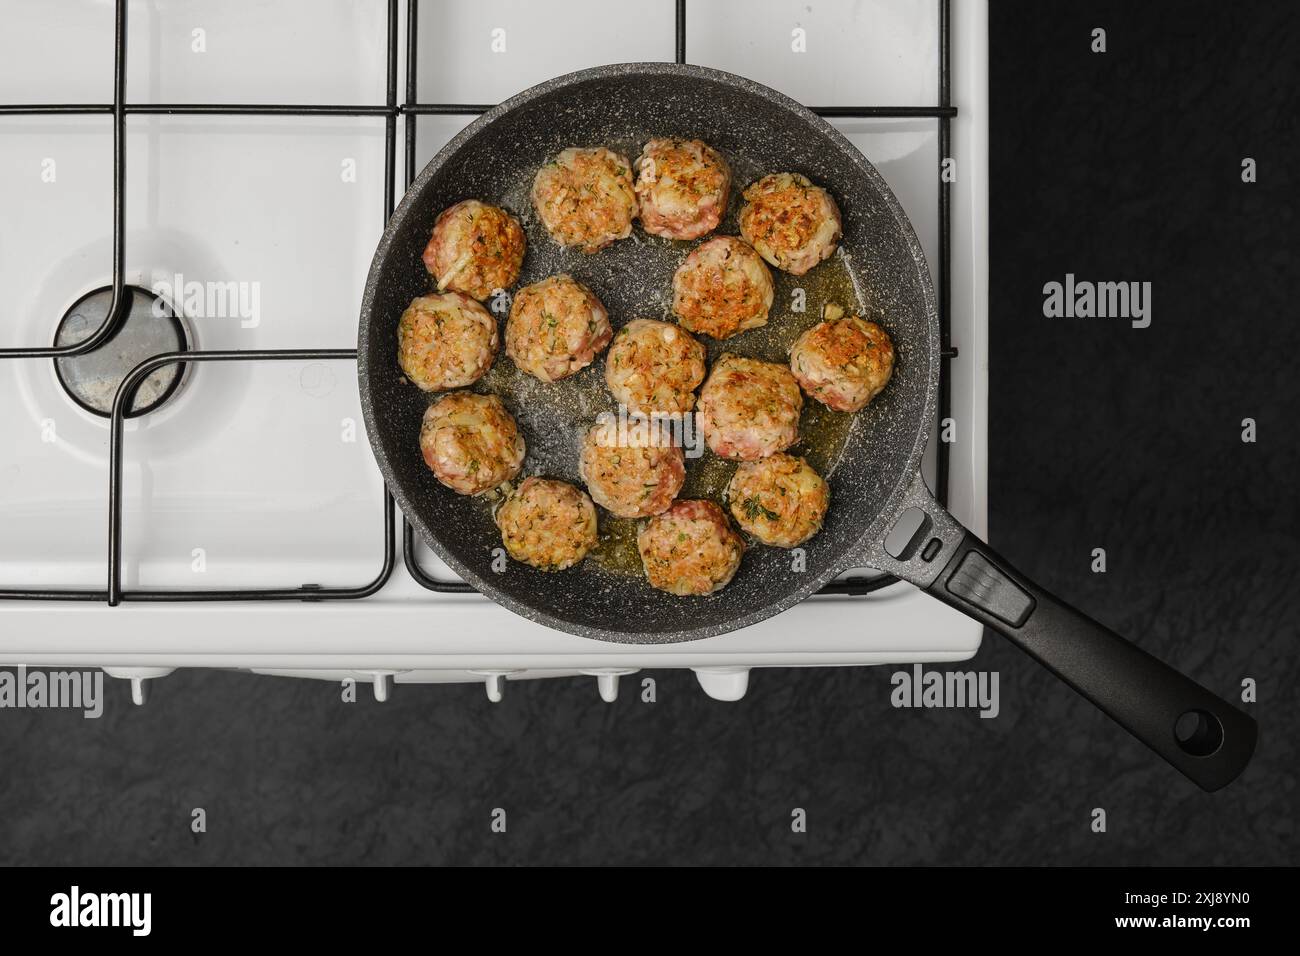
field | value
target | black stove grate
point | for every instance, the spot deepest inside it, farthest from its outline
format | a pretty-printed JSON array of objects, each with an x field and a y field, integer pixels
[
  {"x": 410, "y": 110},
  {"x": 114, "y": 593}
]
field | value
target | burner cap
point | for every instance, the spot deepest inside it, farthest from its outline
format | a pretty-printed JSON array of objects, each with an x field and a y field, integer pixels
[{"x": 150, "y": 328}]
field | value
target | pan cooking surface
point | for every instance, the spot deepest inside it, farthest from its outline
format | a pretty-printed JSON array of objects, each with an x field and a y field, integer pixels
[{"x": 877, "y": 272}]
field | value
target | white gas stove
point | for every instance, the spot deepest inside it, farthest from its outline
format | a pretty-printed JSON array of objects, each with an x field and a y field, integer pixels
[{"x": 251, "y": 477}]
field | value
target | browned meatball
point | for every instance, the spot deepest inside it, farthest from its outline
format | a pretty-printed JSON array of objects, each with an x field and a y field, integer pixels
[
  {"x": 585, "y": 198},
  {"x": 690, "y": 549},
  {"x": 843, "y": 362},
  {"x": 780, "y": 500},
  {"x": 654, "y": 367},
  {"x": 793, "y": 224},
  {"x": 682, "y": 188},
  {"x": 630, "y": 480},
  {"x": 749, "y": 408},
  {"x": 470, "y": 442},
  {"x": 556, "y": 327},
  {"x": 476, "y": 249},
  {"x": 548, "y": 524},
  {"x": 722, "y": 288},
  {"x": 446, "y": 341}
]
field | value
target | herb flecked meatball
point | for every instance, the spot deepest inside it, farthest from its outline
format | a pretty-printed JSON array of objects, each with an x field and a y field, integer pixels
[
  {"x": 654, "y": 367},
  {"x": 470, "y": 442},
  {"x": 749, "y": 408},
  {"x": 792, "y": 223},
  {"x": 722, "y": 288},
  {"x": 445, "y": 341},
  {"x": 681, "y": 188},
  {"x": 557, "y": 327},
  {"x": 548, "y": 524},
  {"x": 585, "y": 198},
  {"x": 475, "y": 248},
  {"x": 633, "y": 479},
  {"x": 843, "y": 361},
  {"x": 690, "y": 549},
  {"x": 780, "y": 500}
]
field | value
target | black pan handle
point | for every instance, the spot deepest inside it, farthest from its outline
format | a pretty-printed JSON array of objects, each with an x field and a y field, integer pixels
[{"x": 1204, "y": 737}]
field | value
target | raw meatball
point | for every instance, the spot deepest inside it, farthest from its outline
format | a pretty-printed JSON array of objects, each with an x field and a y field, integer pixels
[
  {"x": 654, "y": 367},
  {"x": 780, "y": 500},
  {"x": 749, "y": 408},
  {"x": 722, "y": 288},
  {"x": 446, "y": 341},
  {"x": 690, "y": 549},
  {"x": 843, "y": 362},
  {"x": 793, "y": 224},
  {"x": 632, "y": 480},
  {"x": 470, "y": 442},
  {"x": 548, "y": 524},
  {"x": 682, "y": 187},
  {"x": 585, "y": 198},
  {"x": 476, "y": 249},
  {"x": 556, "y": 327}
]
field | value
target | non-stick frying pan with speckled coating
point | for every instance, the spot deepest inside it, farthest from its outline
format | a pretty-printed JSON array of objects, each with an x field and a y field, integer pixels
[{"x": 871, "y": 459}]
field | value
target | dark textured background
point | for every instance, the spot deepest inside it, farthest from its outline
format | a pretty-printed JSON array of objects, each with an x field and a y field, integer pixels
[{"x": 1122, "y": 166}]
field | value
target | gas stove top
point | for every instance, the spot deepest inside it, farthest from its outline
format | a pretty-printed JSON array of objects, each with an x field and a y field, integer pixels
[{"x": 223, "y": 173}]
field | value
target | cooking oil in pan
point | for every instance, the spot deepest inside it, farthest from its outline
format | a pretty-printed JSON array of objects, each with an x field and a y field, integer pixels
[{"x": 616, "y": 549}]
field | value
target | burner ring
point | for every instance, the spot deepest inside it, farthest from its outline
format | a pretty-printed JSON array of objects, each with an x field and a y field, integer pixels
[{"x": 151, "y": 327}]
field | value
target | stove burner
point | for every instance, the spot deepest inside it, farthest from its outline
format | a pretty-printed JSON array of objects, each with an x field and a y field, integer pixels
[{"x": 150, "y": 328}]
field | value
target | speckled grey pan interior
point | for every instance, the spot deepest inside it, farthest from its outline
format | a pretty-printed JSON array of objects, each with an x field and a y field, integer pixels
[{"x": 758, "y": 131}]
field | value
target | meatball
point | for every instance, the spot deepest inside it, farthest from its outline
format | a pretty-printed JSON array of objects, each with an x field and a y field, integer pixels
[
  {"x": 681, "y": 188},
  {"x": 548, "y": 524},
  {"x": 843, "y": 362},
  {"x": 722, "y": 288},
  {"x": 793, "y": 224},
  {"x": 476, "y": 249},
  {"x": 690, "y": 549},
  {"x": 446, "y": 341},
  {"x": 556, "y": 327},
  {"x": 585, "y": 198},
  {"x": 470, "y": 442},
  {"x": 780, "y": 500},
  {"x": 749, "y": 408},
  {"x": 635, "y": 479},
  {"x": 654, "y": 367}
]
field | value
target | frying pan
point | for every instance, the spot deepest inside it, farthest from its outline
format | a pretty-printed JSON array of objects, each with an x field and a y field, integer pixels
[{"x": 874, "y": 475}]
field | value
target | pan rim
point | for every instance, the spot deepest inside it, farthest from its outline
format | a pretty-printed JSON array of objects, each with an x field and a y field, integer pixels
[{"x": 865, "y": 544}]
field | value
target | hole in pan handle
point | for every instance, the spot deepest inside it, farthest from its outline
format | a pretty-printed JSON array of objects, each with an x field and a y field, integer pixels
[{"x": 1203, "y": 736}]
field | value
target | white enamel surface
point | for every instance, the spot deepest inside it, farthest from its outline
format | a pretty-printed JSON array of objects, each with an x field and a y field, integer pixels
[
  {"x": 723, "y": 683},
  {"x": 247, "y": 473},
  {"x": 226, "y": 486}
]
